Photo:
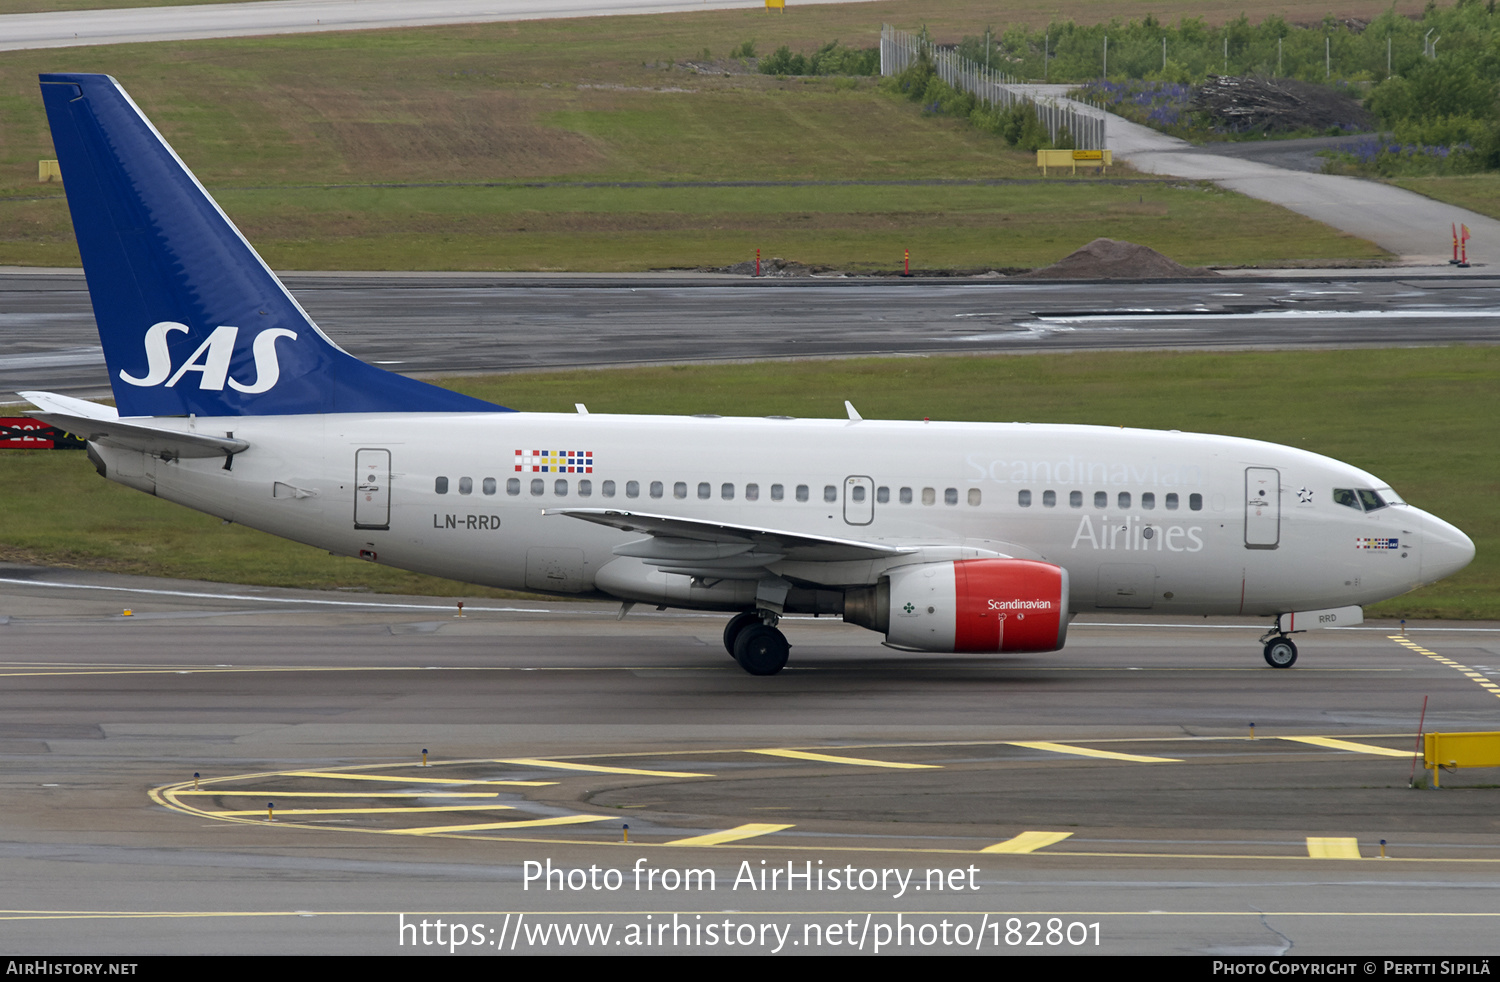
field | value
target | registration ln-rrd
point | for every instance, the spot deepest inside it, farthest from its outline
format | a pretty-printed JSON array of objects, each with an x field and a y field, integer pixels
[{"x": 941, "y": 536}]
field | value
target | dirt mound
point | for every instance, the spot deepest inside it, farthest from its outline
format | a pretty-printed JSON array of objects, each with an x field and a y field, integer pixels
[
  {"x": 1106, "y": 259},
  {"x": 775, "y": 266},
  {"x": 1277, "y": 105}
]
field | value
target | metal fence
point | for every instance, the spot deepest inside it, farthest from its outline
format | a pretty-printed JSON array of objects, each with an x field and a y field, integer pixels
[{"x": 899, "y": 50}]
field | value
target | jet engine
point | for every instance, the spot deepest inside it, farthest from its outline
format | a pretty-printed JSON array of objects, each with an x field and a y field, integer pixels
[{"x": 967, "y": 605}]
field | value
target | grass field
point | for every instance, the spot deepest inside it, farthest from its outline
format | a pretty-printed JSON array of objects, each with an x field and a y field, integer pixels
[
  {"x": 270, "y": 124},
  {"x": 1420, "y": 418},
  {"x": 1477, "y": 192}
]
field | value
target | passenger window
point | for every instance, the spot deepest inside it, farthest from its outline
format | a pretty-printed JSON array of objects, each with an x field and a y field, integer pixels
[
  {"x": 974, "y": 496},
  {"x": 704, "y": 490},
  {"x": 1195, "y": 502},
  {"x": 466, "y": 485},
  {"x": 489, "y": 485},
  {"x": 906, "y": 496},
  {"x": 830, "y": 493},
  {"x": 1023, "y": 498},
  {"x": 538, "y": 486},
  {"x": 1124, "y": 499},
  {"x": 560, "y": 488},
  {"x": 679, "y": 490},
  {"x": 1172, "y": 501},
  {"x": 632, "y": 489},
  {"x": 1049, "y": 499},
  {"x": 858, "y": 493},
  {"x": 657, "y": 490},
  {"x": 802, "y": 492},
  {"x": 883, "y": 495},
  {"x": 1075, "y": 499},
  {"x": 929, "y": 496},
  {"x": 441, "y": 485},
  {"x": 777, "y": 492},
  {"x": 585, "y": 488},
  {"x": 1101, "y": 499},
  {"x": 950, "y": 496},
  {"x": 1148, "y": 501},
  {"x": 513, "y": 486},
  {"x": 752, "y": 492},
  {"x": 726, "y": 491},
  {"x": 607, "y": 489}
]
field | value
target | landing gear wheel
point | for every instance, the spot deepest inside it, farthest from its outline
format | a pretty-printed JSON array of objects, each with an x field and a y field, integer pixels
[
  {"x": 761, "y": 650},
  {"x": 736, "y": 627},
  {"x": 1281, "y": 653}
]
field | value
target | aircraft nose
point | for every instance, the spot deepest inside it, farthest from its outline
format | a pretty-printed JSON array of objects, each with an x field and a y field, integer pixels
[{"x": 1445, "y": 549}]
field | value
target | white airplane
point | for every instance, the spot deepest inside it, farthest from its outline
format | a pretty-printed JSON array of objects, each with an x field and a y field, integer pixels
[{"x": 944, "y": 537}]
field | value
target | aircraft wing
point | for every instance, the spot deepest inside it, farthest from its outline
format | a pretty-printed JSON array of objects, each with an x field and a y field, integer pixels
[
  {"x": 699, "y": 547},
  {"x": 102, "y": 424}
]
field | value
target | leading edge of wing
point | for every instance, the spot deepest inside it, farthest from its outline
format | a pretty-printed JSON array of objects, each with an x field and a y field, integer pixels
[{"x": 793, "y": 545}]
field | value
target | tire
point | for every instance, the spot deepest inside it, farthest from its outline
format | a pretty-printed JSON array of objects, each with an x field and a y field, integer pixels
[
  {"x": 761, "y": 650},
  {"x": 736, "y": 626},
  {"x": 1281, "y": 653}
]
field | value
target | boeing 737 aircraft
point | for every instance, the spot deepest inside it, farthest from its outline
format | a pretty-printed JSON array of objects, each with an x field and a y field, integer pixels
[{"x": 944, "y": 537}]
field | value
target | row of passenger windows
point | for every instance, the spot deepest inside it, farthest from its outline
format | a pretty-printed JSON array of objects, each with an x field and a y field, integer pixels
[
  {"x": 705, "y": 490},
  {"x": 1122, "y": 500}
]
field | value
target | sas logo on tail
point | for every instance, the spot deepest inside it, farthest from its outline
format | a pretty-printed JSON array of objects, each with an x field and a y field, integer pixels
[{"x": 211, "y": 360}]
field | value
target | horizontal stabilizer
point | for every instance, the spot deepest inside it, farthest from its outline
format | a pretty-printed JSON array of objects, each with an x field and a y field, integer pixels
[{"x": 101, "y": 424}]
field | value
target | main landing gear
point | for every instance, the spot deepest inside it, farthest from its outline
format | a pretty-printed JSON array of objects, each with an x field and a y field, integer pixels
[
  {"x": 1279, "y": 650},
  {"x": 753, "y": 641}
]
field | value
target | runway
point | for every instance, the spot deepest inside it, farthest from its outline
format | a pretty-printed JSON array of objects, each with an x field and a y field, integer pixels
[
  {"x": 448, "y": 324},
  {"x": 1113, "y": 787}
]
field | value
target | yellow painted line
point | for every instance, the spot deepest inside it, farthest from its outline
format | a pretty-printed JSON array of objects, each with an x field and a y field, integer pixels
[
  {"x": 855, "y": 761},
  {"x": 372, "y": 811},
  {"x": 566, "y": 765},
  {"x": 729, "y": 835},
  {"x": 1067, "y": 748},
  {"x": 403, "y": 779},
  {"x": 341, "y": 794},
  {"x": 534, "y": 823},
  {"x": 1027, "y": 842},
  {"x": 1320, "y": 848},
  {"x": 1358, "y": 748}
]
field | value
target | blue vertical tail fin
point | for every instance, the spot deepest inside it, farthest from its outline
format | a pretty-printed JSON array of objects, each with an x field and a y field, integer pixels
[{"x": 191, "y": 318}]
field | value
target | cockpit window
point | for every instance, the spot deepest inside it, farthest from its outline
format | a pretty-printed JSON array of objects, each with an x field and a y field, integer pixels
[
  {"x": 1361, "y": 499},
  {"x": 1391, "y": 497}
]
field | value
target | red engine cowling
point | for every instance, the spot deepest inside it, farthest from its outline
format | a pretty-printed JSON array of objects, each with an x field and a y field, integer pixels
[{"x": 975, "y": 605}]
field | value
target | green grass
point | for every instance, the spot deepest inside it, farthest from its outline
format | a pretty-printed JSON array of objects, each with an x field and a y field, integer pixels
[
  {"x": 270, "y": 124},
  {"x": 1477, "y": 192},
  {"x": 1409, "y": 429}
]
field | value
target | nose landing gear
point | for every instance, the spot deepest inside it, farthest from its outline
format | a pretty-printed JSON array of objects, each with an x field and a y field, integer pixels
[
  {"x": 754, "y": 641},
  {"x": 1279, "y": 650}
]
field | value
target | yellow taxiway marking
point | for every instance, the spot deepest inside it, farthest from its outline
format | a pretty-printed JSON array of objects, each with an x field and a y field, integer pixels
[
  {"x": 403, "y": 779},
  {"x": 371, "y": 811},
  {"x": 1332, "y": 848},
  {"x": 1351, "y": 746},
  {"x": 1067, "y": 748},
  {"x": 565, "y": 765},
  {"x": 534, "y": 823},
  {"x": 1463, "y": 669},
  {"x": 729, "y": 835},
  {"x": 835, "y": 759},
  {"x": 1028, "y": 842},
  {"x": 341, "y": 794}
]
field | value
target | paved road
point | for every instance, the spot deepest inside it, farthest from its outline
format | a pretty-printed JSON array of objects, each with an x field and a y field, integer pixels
[
  {"x": 1409, "y": 225},
  {"x": 69, "y": 29},
  {"x": 285, "y": 696},
  {"x": 448, "y": 324}
]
